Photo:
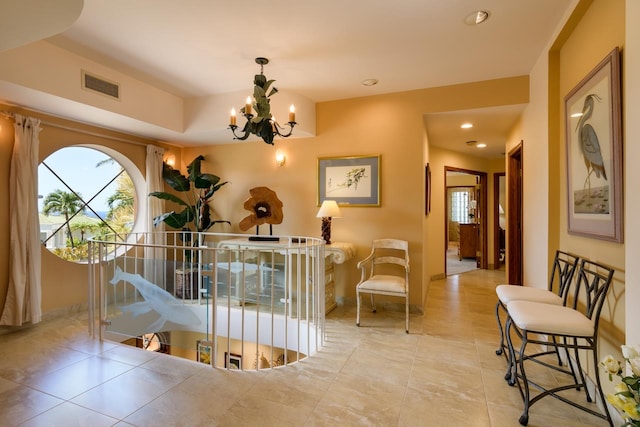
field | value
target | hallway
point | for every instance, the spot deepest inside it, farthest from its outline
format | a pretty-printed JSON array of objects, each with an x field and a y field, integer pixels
[{"x": 444, "y": 373}]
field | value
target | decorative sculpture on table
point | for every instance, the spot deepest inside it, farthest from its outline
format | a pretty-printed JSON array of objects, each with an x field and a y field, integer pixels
[{"x": 265, "y": 208}]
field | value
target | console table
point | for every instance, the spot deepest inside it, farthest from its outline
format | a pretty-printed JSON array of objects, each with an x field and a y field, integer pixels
[{"x": 335, "y": 253}]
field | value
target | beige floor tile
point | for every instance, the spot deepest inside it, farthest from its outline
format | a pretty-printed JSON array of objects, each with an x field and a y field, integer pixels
[
  {"x": 70, "y": 415},
  {"x": 19, "y": 403},
  {"x": 127, "y": 392},
  {"x": 78, "y": 378},
  {"x": 437, "y": 407},
  {"x": 359, "y": 400},
  {"x": 443, "y": 373}
]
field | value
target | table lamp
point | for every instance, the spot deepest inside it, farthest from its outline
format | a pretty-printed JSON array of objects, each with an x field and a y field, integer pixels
[{"x": 328, "y": 210}]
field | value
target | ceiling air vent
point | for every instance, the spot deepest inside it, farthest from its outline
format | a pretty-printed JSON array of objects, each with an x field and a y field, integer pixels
[{"x": 98, "y": 84}]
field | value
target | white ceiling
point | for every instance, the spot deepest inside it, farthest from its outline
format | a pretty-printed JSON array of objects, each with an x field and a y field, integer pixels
[{"x": 319, "y": 49}]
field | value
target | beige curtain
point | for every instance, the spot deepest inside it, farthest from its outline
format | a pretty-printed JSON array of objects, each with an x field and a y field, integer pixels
[
  {"x": 154, "y": 258},
  {"x": 24, "y": 295}
]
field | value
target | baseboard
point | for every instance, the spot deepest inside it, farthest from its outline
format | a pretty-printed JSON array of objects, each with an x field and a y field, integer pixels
[
  {"x": 46, "y": 317},
  {"x": 386, "y": 305}
]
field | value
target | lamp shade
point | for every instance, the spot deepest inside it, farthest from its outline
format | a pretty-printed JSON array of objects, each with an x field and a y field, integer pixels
[{"x": 329, "y": 209}]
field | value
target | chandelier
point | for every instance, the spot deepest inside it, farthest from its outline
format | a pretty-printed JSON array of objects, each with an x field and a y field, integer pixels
[{"x": 263, "y": 124}]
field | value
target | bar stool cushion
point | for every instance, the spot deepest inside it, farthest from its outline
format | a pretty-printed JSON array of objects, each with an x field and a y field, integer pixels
[
  {"x": 508, "y": 293},
  {"x": 550, "y": 319}
]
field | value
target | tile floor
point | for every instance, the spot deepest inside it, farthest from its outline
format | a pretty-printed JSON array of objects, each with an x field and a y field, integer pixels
[{"x": 444, "y": 373}]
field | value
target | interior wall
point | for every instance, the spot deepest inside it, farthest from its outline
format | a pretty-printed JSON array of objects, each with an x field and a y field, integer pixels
[
  {"x": 64, "y": 283},
  {"x": 631, "y": 97},
  {"x": 571, "y": 55},
  {"x": 427, "y": 216},
  {"x": 389, "y": 125},
  {"x": 575, "y": 63}
]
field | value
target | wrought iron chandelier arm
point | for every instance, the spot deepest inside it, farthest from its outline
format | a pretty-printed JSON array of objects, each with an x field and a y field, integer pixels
[
  {"x": 277, "y": 128},
  {"x": 240, "y": 137},
  {"x": 263, "y": 125}
]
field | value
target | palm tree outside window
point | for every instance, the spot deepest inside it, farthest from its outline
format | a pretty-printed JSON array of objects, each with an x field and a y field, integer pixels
[{"x": 84, "y": 193}]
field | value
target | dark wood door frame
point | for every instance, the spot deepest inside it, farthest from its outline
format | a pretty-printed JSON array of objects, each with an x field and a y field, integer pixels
[
  {"x": 496, "y": 218},
  {"x": 482, "y": 208},
  {"x": 515, "y": 168}
]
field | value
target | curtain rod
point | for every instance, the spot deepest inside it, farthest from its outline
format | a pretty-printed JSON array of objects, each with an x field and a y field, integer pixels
[{"x": 10, "y": 114}]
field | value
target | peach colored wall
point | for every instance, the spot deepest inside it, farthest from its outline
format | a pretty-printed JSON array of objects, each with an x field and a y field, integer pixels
[
  {"x": 575, "y": 63},
  {"x": 389, "y": 125},
  {"x": 6, "y": 148},
  {"x": 64, "y": 284},
  {"x": 631, "y": 96}
]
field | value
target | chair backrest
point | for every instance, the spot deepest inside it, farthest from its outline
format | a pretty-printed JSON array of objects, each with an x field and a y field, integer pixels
[
  {"x": 390, "y": 251},
  {"x": 564, "y": 268},
  {"x": 594, "y": 280}
]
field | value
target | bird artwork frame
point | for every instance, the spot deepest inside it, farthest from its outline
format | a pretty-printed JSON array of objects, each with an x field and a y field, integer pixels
[{"x": 593, "y": 126}]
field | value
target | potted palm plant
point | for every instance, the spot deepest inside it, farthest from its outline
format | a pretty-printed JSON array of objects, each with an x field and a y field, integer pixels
[{"x": 198, "y": 189}]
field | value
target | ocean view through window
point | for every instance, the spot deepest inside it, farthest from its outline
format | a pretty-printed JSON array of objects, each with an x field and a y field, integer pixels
[{"x": 83, "y": 192}]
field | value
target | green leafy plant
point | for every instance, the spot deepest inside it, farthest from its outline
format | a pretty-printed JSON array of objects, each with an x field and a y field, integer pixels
[
  {"x": 198, "y": 189},
  {"x": 261, "y": 124}
]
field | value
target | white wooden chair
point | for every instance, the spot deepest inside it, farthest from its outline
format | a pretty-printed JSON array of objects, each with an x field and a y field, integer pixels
[{"x": 385, "y": 272}]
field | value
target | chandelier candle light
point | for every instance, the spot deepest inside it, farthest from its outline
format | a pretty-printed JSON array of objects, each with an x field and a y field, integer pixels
[
  {"x": 263, "y": 124},
  {"x": 328, "y": 210}
]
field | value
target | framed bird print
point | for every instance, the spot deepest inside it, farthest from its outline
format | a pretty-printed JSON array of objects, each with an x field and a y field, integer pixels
[{"x": 594, "y": 153}]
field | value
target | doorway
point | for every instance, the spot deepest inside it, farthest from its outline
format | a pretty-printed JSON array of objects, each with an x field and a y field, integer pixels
[
  {"x": 514, "y": 216},
  {"x": 499, "y": 220},
  {"x": 465, "y": 220}
]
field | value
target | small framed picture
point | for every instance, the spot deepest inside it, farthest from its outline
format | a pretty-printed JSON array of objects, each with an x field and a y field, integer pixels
[
  {"x": 350, "y": 181},
  {"x": 204, "y": 349},
  {"x": 232, "y": 360}
]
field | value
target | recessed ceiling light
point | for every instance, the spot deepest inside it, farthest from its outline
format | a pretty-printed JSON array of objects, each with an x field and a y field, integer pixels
[
  {"x": 369, "y": 82},
  {"x": 466, "y": 126},
  {"x": 481, "y": 145},
  {"x": 477, "y": 17}
]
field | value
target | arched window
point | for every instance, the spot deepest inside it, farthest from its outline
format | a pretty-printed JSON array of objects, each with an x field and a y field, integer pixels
[{"x": 85, "y": 191}]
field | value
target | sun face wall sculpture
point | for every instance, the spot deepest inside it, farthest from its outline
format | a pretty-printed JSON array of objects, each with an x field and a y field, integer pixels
[{"x": 265, "y": 208}]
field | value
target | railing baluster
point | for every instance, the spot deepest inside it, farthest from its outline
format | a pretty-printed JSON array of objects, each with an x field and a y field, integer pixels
[{"x": 293, "y": 310}]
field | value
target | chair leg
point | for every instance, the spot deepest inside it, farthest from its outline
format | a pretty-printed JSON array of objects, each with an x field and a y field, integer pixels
[
  {"x": 510, "y": 375},
  {"x": 578, "y": 368},
  {"x": 358, "y": 298},
  {"x": 406, "y": 314},
  {"x": 600, "y": 392},
  {"x": 373, "y": 304},
  {"x": 524, "y": 418},
  {"x": 557, "y": 348},
  {"x": 500, "y": 349}
]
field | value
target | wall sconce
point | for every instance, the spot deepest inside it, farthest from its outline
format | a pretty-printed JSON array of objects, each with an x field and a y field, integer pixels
[
  {"x": 281, "y": 158},
  {"x": 328, "y": 210},
  {"x": 170, "y": 160}
]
